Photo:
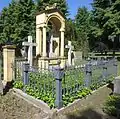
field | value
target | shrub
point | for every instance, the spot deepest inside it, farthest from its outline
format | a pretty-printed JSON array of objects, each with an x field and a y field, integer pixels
[{"x": 112, "y": 105}]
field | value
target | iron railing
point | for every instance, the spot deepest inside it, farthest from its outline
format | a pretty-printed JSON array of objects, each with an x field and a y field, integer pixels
[{"x": 57, "y": 85}]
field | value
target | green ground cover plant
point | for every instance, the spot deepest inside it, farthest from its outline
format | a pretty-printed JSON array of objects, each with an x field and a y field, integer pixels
[
  {"x": 43, "y": 86},
  {"x": 112, "y": 105}
]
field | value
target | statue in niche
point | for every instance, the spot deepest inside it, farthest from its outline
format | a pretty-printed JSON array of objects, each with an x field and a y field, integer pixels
[
  {"x": 52, "y": 41},
  {"x": 55, "y": 45},
  {"x": 23, "y": 52},
  {"x": 49, "y": 33}
]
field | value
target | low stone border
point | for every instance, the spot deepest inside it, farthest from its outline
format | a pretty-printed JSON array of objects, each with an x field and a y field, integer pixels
[
  {"x": 53, "y": 113},
  {"x": 30, "y": 99},
  {"x": 40, "y": 104},
  {"x": 78, "y": 100}
]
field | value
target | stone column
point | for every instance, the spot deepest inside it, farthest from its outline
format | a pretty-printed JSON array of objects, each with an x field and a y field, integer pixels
[
  {"x": 62, "y": 42},
  {"x": 51, "y": 46},
  {"x": 8, "y": 60},
  {"x": 44, "y": 42},
  {"x": 39, "y": 41}
]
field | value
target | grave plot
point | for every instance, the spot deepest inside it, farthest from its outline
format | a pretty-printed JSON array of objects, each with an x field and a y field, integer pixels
[{"x": 64, "y": 87}]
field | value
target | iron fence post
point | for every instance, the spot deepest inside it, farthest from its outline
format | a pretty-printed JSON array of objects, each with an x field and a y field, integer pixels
[
  {"x": 115, "y": 66},
  {"x": 0, "y": 68},
  {"x": 25, "y": 74},
  {"x": 104, "y": 74},
  {"x": 58, "y": 74},
  {"x": 88, "y": 74}
]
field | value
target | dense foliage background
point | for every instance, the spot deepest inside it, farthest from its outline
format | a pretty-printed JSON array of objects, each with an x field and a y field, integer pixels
[{"x": 101, "y": 24}]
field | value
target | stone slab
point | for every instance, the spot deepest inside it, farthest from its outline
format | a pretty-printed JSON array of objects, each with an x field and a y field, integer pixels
[
  {"x": 37, "y": 103},
  {"x": 117, "y": 85},
  {"x": 1, "y": 87}
]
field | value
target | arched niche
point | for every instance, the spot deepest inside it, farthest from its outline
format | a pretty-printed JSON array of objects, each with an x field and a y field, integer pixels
[{"x": 53, "y": 36}]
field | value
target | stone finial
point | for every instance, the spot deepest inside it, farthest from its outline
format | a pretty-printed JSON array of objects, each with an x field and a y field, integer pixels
[{"x": 51, "y": 6}]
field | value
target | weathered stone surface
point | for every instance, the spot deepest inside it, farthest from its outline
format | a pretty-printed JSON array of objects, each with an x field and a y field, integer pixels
[
  {"x": 1, "y": 87},
  {"x": 89, "y": 108},
  {"x": 117, "y": 85}
]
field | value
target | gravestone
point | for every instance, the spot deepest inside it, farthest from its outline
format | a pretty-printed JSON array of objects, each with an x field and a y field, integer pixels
[
  {"x": 30, "y": 44},
  {"x": 23, "y": 52},
  {"x": 78, "y": 55},
  {"x": 117, "y": 85},
  {"x": 70, "y": 52}
]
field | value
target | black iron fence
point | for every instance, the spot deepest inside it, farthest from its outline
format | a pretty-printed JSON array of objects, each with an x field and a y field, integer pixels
[{"x": 59, "y": 87}]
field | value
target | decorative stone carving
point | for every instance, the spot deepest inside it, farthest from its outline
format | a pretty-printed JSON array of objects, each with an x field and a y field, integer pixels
[{"x": 51, "y": 6}]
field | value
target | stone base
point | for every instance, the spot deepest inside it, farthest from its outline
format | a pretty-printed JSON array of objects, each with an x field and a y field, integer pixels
[
  {"x": 117, "y": 85},
  {"x": 45, "y": 62}
]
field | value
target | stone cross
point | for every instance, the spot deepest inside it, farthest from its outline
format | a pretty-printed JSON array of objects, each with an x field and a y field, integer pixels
[
  {"x": 70, "y": 47},
  {"x": 30, "y": 44}
]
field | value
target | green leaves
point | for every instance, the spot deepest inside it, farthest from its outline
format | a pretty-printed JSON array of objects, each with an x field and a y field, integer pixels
[
  {"x": 18, "y": 21},
  {"x": 106, "y": 15},
  {"x": 18, "y": 84},
  {"x": 112, "y": 105},
  {"x": 43, "y": 86},
  {"x": 69, "y": 98}
]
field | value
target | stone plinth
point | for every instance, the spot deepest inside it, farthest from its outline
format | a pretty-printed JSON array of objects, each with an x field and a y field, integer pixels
[
  {"x": 117, "y": 85},
  {"x": 63, "y": 62},
  {"x": 8, "y": 60},
  {"x": 45, "y": 62}
]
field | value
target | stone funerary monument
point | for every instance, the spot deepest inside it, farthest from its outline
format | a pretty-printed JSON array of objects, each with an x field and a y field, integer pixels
[{"x": 50, "y": 28}]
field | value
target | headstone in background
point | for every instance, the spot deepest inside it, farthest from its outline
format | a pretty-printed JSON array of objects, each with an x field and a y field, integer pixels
[
  {"x": 117, "y": 85},
  {"x": 78, "y": 57},
  {"x": 70, "y": 52},
  {"x": 30, "y": 44},
  {"x": 24, "y": 53}
]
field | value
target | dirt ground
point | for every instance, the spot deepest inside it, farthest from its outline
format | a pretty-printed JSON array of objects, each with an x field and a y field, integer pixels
[{"x": 12, "y": 107}]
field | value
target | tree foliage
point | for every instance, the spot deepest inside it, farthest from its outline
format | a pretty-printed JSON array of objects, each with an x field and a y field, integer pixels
[
  {"x": 106, "y": 15},
  {"x": 17, "y": 21},
  {"x": 102, "y": 23},
  {"x": 83, "y": 23}
]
